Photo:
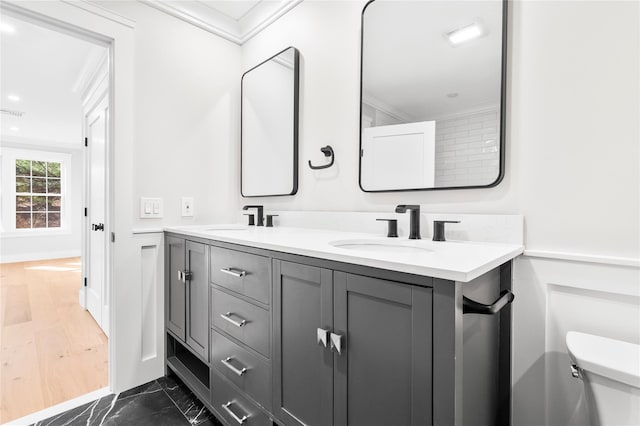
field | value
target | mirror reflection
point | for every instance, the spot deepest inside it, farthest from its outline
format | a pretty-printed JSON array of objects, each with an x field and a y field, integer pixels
[
  {"x": 432, "y": 94},
  {"x": 269, "y": 127}
]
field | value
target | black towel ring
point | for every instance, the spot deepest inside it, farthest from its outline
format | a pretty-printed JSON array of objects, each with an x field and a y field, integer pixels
[{"x": 328, "y": 152}]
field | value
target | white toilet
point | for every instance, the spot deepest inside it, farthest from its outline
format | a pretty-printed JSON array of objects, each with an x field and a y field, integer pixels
[{"x": 610, "y": 371}]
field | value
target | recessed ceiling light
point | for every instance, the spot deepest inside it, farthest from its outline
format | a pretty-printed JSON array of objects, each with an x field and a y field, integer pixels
[
  {"x": 14, "y": 129},
  {"x": 14, "y": 98},
  {"x": 6, "y": 28},
  {"x": 452, "y": 95},
  {"x": 470, "y": 32}
]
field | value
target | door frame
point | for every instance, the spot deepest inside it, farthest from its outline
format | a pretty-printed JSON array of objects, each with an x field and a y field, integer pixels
[{"x": 97, "y": 24}]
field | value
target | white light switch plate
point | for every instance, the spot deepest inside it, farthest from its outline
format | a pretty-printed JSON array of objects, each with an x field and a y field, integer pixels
[
  {"x": 187, "y": 206},
  {"x": 150, "y": 208}
]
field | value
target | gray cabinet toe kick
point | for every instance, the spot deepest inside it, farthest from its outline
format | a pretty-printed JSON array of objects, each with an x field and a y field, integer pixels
[{"x": 265, "y": 337}]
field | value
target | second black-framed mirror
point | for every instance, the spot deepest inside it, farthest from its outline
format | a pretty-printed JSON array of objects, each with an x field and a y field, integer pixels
[
  {"x": 269, "y": 126},
  {"x": 432, "y": 108}
]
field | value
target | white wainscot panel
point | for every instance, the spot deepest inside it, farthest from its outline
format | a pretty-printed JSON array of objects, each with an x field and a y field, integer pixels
[
  {"x": 150, "y": 315},
  {"x": 553, "y": 297}
]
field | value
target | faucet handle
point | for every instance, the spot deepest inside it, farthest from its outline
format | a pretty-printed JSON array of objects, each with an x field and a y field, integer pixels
[
  {"x": 270, "y": 220},
  {"x": 438, "y": 229},
  {"x": 392, "y": 227},
  {"x": 251, "y": 218}
]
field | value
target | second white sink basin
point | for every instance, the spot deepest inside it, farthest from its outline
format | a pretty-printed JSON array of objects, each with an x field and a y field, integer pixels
[
  {"x": 384, "y": 246},
  {"x": 231, "y": 227}
]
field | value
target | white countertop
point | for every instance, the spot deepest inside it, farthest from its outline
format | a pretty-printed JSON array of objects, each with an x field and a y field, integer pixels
[{"x": 451, "y": 260}]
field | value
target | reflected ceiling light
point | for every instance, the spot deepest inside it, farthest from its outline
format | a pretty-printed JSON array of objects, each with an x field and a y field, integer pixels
[
  {"x": 14, "y": 98},
  {"x": 6, "y": 28},
  {"x": 14, "y": 129},
  {"x": 461, "y": 35}
]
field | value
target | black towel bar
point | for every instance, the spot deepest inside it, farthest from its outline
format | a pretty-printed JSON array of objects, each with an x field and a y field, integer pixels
[{"x": 472, "y": 307}]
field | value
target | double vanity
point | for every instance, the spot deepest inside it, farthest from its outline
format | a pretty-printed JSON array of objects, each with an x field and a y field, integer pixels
[{"x": 307, "y": 326}]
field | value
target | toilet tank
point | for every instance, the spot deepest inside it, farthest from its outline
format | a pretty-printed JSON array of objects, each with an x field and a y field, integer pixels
[{"x": 610, "y": 370}]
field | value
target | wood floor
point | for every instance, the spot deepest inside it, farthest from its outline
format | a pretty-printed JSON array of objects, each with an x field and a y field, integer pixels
[{"x": 51, "y": 349}]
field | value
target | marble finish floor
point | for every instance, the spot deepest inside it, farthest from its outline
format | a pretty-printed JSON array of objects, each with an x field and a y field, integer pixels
[{"x": 162, "y": 402}]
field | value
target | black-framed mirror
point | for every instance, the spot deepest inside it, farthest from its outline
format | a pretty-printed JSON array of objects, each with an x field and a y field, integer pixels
[
  {"x": 432, "y": 97},
  {"x": 269, "y": 126}
]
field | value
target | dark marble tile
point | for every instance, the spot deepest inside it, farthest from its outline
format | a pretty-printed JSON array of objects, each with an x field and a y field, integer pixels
[
  {"x": 195, "y": 412},
  {"x": 145, "y": 405},
  {"x": 78, "y": 415}
]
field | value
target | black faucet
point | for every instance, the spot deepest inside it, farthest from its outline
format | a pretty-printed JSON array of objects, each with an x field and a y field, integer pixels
[
  {"x": 260, "y": 213},
  {"x": 414, "y": 220}
]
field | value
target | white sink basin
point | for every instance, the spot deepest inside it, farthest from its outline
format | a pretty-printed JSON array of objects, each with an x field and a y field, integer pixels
[
  {"x": 385, "y": 246},
  {"x": 231, "y": 227}
]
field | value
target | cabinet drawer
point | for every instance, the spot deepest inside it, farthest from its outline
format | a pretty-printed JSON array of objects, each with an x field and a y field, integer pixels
[
  {"x": 233, "y": 407},
  {"x": 242, "y": 368},
  {"x": 246, "y": 322},
  {"x": 244, "y": 273}
]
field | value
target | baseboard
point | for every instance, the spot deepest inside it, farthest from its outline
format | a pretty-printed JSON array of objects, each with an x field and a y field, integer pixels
[{"x": 27, "y": 257}]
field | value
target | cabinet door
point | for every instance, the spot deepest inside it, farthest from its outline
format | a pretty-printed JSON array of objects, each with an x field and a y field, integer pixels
[
  {"x": 303, "y": 367},
  {"x": 198, "y": 298},
  {"x": 383, "y": 374},
  {"x": 175, "y": 294}
]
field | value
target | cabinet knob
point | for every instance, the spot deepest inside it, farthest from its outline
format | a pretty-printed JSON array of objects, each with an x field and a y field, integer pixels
[
  {"x": 322, "y": 337},
  {"x": 336, "y": 343}
]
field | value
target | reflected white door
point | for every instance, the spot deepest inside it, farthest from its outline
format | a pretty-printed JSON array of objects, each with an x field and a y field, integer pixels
[{"x": 97, "y": 292}]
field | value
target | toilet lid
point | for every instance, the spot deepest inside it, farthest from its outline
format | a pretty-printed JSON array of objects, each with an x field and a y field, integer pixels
[{"x": 610, "y": 358}]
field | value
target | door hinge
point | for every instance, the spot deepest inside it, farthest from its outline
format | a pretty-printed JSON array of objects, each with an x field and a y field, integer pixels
[
  {"x": 362, "y": 153},
  {"x": 85, "y": 281},
  {"x": 85, "y": 212},
  {"x": 113, "y": 237},
  {"x": 86, "y": 141}
]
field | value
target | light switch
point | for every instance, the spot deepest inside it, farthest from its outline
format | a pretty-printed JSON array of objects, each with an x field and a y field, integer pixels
[{"x": 150, "y": 208}]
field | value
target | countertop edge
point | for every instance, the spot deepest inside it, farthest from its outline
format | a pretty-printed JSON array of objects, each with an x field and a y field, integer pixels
[{"x": 446, "y": 274}]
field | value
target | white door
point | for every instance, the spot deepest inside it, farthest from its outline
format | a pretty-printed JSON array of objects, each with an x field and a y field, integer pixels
[{"x": 97, "y": 292}]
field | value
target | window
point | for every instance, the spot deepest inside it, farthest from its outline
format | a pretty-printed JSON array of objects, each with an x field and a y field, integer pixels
[{"x": 38, "y": 194}]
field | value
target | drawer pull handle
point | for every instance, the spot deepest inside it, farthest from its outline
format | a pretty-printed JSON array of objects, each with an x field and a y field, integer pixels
[
  {"x": 227, "y": 363},
  {"x": 240, "y": 420},
  {"x": 234, "y": 272},
  {"x": 227, "y": 317}
]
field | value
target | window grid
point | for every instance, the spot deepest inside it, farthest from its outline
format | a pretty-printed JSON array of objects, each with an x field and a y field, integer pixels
[{"x": 38, "y": 194}]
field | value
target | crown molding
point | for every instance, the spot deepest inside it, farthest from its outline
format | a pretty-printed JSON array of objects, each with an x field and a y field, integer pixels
[
  {"x": 210, "y": 20},
  {"x": 101, "y": 11}
]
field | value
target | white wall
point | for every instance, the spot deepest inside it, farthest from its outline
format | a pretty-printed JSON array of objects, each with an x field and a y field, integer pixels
[
  {"x": 572, "y": 169},
  {"x": 187, "y": 91},
  {"x": 17, "y": 247}
]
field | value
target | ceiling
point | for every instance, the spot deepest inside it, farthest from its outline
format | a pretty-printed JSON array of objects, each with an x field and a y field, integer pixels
[
  {"x": 44, "y": 68},
  {"x": 237, "y": 21}
]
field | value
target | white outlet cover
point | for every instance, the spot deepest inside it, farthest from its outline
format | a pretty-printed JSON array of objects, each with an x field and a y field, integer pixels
[{"x": 187, "y": 207}]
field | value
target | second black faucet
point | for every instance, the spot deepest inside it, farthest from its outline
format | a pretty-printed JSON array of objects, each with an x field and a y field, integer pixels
[
  {"x": 414, "y": 219},
  {"x": 260, "y": 210}
]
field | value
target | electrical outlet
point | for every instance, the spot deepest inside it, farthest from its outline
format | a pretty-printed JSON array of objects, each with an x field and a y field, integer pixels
[{"x": 187, "y": 206}]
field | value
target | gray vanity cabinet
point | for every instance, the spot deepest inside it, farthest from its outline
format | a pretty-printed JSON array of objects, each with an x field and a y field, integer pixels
[
  {"x": 176, "y": 308},
  {"x": 350, "y": 349},
  {"x": 188, "y": 293},
  {"x": 382, "y": 374},
  {"x": 303, "y": 364}
]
